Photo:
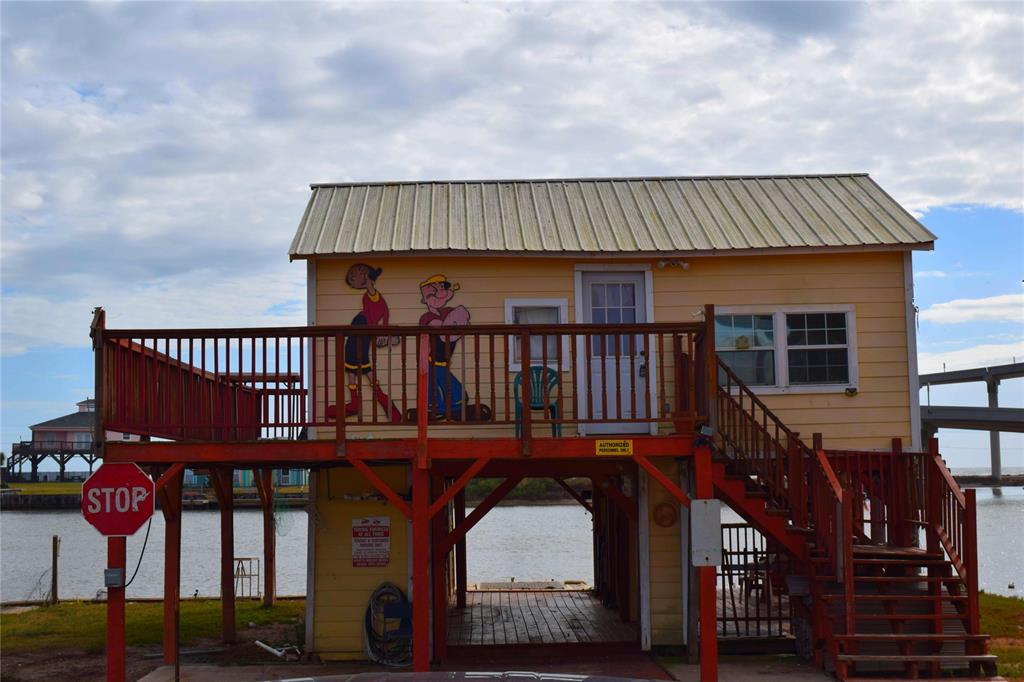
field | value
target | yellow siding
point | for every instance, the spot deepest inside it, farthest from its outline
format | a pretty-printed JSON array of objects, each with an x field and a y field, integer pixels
[
  {"x": 871, "y": 282},
  {"x": 342, "y": 591},
  {"x": 666, "y": 570}
]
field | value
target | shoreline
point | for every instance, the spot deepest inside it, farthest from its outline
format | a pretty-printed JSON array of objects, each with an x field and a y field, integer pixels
[{"x": 44, "y": 503}]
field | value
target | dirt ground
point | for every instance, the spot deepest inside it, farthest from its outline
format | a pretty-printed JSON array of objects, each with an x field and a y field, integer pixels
[{"x": 70, "y": 665}]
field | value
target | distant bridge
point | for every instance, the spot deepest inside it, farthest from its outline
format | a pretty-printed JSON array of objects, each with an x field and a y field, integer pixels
[{"x": 993, "y": 418}]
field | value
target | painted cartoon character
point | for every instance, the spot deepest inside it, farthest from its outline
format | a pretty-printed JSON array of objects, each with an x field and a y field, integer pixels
[
  {"x": 358, "y": 359},
  {"x": 446, "y": 390}
]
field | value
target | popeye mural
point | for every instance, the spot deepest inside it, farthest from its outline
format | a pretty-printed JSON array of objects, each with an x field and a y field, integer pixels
[
  {"x": 358, "y": 359},
  {"x": 446, "y": 393}
]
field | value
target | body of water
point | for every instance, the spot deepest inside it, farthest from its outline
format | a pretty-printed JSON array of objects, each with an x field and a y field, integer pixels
[{"x": 524, "y": 542}]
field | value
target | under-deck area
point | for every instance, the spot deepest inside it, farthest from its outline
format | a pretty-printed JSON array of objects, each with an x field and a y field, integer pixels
[{"x": 532, "y": 617}]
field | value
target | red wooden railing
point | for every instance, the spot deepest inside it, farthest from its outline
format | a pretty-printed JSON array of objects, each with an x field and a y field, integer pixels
[
  {"x": 761, "y": 445},
  {"x": 886, "y": 483},
  {"x": 951, "y": 523},
  {"x": 244, "y": 384}
]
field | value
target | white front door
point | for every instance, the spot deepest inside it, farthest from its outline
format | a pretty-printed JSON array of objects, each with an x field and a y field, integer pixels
[{"x": 616, "y": 362}]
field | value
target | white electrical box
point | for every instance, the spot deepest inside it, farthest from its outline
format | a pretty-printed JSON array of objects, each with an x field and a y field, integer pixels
[{"x": 706, "y": 532}]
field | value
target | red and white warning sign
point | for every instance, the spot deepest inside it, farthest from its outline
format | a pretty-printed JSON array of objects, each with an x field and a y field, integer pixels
[{"x": 371, "y": 541}]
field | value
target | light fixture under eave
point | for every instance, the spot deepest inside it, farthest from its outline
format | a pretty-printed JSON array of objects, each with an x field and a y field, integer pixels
[{"x": 662, "y": 264}]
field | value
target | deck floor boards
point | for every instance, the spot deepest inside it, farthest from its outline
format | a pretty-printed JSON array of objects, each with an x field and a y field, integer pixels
[{"x": 511, "y": 617}]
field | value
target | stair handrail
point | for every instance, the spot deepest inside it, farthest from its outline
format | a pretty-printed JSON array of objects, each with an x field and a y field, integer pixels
[
  {"x": 952, "y": 518},
  {"x": 798, "y": 478},
  {"x": 739, "y": 428},
  {"x": 831, "y": 513}
]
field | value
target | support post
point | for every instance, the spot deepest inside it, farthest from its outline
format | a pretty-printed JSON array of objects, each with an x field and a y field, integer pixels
[
  {"x": 420, "y": 569},
  {"x": 992, "y": 384},
  {"x": 460, "y": 551},
  {"x": 439, "y": 585},
  {"x": 53, "y": 570},
  {"x": 706, "y": 577},
  {"x": 265, "y": 488},
  {"x": 170, "y": 505},
  {"x": 226, "y": 503},
  {"x": 116, "y": 554}
]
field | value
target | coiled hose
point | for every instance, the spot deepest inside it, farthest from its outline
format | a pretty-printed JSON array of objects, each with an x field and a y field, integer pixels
[{"x": 388, "y": 646}]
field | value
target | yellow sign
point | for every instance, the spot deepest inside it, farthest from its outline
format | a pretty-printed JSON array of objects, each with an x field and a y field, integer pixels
[{"x": 614, "y": 448}]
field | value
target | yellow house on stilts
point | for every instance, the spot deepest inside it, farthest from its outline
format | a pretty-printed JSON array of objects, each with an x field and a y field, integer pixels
[{"x": 677, "y": 343}]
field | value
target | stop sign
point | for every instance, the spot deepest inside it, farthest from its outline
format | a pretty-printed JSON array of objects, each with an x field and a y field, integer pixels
[{"x": 118, "y": 499}]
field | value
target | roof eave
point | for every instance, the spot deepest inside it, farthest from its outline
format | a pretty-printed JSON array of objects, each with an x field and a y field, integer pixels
[{"x": 770, "y": 251}]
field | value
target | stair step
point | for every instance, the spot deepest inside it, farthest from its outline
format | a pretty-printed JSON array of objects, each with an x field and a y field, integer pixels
[
  {"x": 903, "y": 637},
  {"x": 894, "y": 551},
  {"x": 910, "y": 616},
  {"x": 861, "y": 561},
  {"x": 800, "y": 530},
  {"x": 897, "y": 597},
  {"x": 894, "y": 579},
  {"x": 920, "y": 658}
]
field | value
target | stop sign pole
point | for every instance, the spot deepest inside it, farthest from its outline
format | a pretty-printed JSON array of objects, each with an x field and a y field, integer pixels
[{"x": 117, "y": 500}]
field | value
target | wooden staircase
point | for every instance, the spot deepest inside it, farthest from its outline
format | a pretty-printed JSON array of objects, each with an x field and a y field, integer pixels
[{"x": 882, "y": 544}]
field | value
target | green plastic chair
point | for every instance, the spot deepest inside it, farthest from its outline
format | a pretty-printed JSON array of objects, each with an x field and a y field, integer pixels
[{"x": 543, "y": 381}]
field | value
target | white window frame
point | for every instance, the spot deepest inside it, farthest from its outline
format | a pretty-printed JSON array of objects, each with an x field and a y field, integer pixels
[
  {"x": 562, "y": 305},
  {"x": 779, "y": 313}
]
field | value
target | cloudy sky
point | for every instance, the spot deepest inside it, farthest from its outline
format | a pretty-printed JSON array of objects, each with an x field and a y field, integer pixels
[{"x": 156, "y": 156}]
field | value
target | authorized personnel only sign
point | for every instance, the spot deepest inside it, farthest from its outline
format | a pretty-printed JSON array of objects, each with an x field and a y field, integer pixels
[
  {"x": 118, "y": 499},
  {"x": 371, "y": 541}
]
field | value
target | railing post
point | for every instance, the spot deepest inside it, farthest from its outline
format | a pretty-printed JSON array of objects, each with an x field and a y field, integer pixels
[
  {"x": 422, "y": 400},
  {"x": 99, "y": 326},
  {"x": 933, "y": 504},
  {"x": 898, "y": 510},
  {"x": 526, "y": 432},
  {"x": 846, "y": 535},
  {"x": 339, "y": 395},
  {"x": 970, "y": 560},
  {"x": 797, "y": 499},
  {"x": 712, "y": 365}
]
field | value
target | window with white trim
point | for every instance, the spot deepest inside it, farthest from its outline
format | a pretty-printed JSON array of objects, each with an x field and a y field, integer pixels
[
  {"x": 789, "y": 348},
  {"x": 817, "y": 349},
  {"x": 747, "y": 344},
  {"x": 530, "y": 311}
]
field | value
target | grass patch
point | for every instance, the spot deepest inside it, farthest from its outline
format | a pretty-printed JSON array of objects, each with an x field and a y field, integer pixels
[
  {"x": 1003, "y": 619},
  {"x": 1002, "y": 616},
  {"x": 81, "y": 625},
  {"x": 49, "y": 488}
]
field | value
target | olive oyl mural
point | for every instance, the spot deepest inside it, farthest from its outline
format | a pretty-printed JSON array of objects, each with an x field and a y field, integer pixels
[
  {"x": 446, "y": 393},
  {"x": 358, "y": 360}
]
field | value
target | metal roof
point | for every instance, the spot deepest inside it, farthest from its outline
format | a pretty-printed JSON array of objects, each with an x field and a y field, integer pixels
[
  {"x": 75, "y": 420},
  {"x": 606, "y": 215}
]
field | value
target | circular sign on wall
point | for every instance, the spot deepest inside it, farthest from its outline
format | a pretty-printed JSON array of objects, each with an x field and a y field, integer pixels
[
  {"x": 118, "y": 498},
  {"x": 665, "y": 514}
]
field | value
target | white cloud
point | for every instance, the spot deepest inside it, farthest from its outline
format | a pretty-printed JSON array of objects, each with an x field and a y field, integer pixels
[
  {"x": 156, "y": 156},
  {"x": 1004, "y": 308},
  {"x": 985, "y": 355},
  {"x": 921, "y": 274}
]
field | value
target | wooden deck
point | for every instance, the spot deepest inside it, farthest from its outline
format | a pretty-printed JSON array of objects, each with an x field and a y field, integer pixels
[{"x": 524, "y": 617}]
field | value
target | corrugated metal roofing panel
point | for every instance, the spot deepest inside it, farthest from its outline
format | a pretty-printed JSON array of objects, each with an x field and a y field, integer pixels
[{"x": 613, "y": 215}]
